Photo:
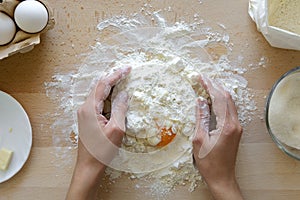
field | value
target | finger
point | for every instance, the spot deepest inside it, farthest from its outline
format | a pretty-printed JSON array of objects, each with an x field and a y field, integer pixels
[
  {"x": 202, "y": 123},
  {"x": 215, "y": 90},
  {"x": 105, "y": 84},
  {"x": 202, "y": 115},
  {"x": 103, "y": 87},
  {"x": 218, "y": 97},
  {"x": 232, "y": 108},
  {"x": 118, "y": 112},
  {"x": 234, "y": 115},
  {"x": 102, "y": 120},
  {"x": 201, "y": 79}
]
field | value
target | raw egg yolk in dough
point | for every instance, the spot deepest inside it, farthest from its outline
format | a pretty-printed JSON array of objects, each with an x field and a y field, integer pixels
[{"x": 167, "y": 136}]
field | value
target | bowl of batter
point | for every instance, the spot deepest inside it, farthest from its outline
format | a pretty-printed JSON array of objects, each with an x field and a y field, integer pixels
[{"x": 283, "y": 113}]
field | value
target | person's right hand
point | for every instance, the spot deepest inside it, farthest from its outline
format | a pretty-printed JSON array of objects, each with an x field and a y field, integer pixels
[{"x": 215, "y": 151}]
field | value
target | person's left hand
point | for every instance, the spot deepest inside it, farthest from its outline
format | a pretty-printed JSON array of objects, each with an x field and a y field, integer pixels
[
  {"x": 99, "y": 138},
  {"x": 102, "y": 137}
]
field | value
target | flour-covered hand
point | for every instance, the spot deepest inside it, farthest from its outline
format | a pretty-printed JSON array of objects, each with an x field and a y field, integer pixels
[
  {"x": 215, "y": 151},
  {"x": 99, "y": 137}
]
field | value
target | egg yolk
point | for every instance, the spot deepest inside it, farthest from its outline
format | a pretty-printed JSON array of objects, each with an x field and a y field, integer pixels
[{"x": 167, "y": 136}]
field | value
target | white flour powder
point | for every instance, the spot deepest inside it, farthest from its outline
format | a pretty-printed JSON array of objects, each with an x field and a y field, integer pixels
[
  {"x": 160, "y": 100},
  {"x": 172, "y": 55}
]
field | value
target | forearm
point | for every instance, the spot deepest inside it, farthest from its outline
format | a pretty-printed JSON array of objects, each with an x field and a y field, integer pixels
[
  {"x": 226, "y": 191},
  {"x": 84, "y": 182}
]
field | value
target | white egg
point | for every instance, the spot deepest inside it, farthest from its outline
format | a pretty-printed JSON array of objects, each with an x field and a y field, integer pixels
[
  {"x": 7, "y": 29},
  {"x": 31, "y": 16}
]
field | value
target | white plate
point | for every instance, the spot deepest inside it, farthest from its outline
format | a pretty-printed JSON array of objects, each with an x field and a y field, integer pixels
[{"x": 15, "y": 134}]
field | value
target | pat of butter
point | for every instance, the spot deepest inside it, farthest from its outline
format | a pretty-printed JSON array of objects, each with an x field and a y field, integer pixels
[{"x": 5, "y": 158}]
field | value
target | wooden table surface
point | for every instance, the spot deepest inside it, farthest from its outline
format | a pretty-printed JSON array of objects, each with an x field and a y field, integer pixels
[{"x": 263, "y": 171}]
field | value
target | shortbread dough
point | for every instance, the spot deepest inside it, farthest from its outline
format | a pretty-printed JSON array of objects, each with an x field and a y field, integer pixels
[
  {"x": 284, "y": 111},
  {"x": 161, "y": 97}
]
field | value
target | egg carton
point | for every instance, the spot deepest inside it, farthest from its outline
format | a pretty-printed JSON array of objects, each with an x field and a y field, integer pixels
[{"x": 23, "y": 42}]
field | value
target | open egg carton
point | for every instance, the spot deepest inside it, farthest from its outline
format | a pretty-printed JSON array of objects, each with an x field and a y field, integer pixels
[{"x": 22, "y": 41}]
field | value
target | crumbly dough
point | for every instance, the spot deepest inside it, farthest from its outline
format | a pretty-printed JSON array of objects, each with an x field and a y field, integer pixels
[
  {"x": 161, "y": 97},
  {"x": 284, "y": 14},
  {"x": 284, "y": 111}
]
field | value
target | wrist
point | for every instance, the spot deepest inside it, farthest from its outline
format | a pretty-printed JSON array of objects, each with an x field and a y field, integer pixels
[
  {"x": 223, "y": 190},
  {"x": 89, "y": 172},
  {"x": 85, "y": 180}
]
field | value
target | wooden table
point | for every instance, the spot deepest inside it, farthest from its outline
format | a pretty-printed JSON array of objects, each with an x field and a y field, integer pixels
[{"x": 263, "y": 171}]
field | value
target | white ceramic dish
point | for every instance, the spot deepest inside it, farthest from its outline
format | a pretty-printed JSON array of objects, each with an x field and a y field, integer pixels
[{"x": 15, "y": 134}]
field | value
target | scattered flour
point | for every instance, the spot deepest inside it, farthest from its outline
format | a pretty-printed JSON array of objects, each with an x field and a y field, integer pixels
[{"x": 146, "y": 40}]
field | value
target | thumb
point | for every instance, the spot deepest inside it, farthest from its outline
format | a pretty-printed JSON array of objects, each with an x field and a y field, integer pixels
[
  {"x": 201, "y": 137},
  {"x": 118, "y": 111},
  {"x": 202, "y": 119}
]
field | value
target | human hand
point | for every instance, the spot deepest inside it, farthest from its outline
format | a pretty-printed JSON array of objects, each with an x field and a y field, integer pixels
[
  {"x": 215, "y": 151},
  {"x": 99, "y": 138},
  {"x": 102, "y": 137}
]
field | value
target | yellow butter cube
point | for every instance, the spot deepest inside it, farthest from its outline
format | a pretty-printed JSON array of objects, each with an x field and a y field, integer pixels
[{"x": 5, "y": 158}]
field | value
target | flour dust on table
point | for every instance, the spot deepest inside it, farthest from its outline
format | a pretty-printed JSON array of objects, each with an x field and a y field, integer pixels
[{"x": 166, "y": 60}]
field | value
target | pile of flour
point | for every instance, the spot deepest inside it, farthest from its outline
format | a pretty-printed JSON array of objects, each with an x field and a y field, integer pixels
[{"x": 159, "y": 98}]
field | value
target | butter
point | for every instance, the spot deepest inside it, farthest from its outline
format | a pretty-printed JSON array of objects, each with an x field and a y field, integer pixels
[{"x": 5, "y": 158}]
